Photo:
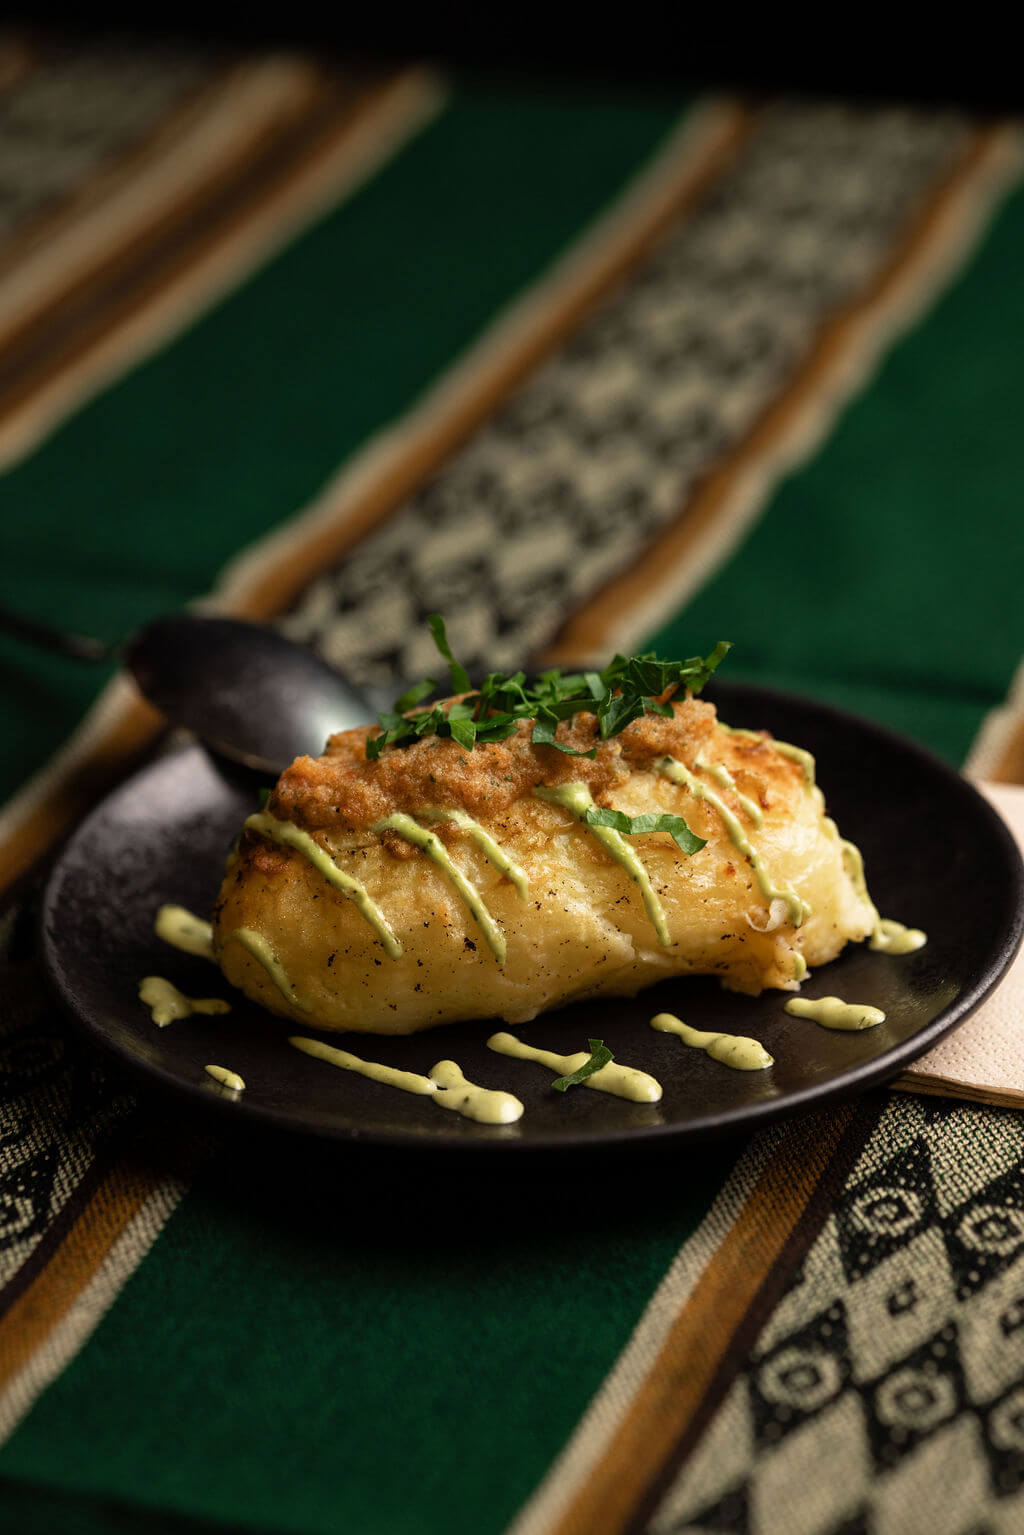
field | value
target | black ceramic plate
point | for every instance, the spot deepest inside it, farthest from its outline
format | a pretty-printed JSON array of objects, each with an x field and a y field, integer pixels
[{"x": 937, "y": 857}]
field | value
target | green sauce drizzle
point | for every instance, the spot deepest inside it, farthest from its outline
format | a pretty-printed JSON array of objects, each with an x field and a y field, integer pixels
[
  {"x": 577, "y": 799},
  {"x": 887, "y": 936},
  {"x": 891, "y": 937},
  {"x": 446, "y": 1084},
  {"x": 226, "y": 1078},
  {"x": 736, "y": 730},
  {"x": 735, "y": 1050},
  {"x": 487, "y": 1105},
  {"x": 834, "y": 1013},
  {"x": 182, "y": 930},
  {"x": 291, "y": 836},
  {"x": 621, "y": 1081},
  {"x": 261, "y": 951},
  {"x": 167, "y": 1004},
  {"x": 722, "y": 776},
  {"x": 853, "y": 862},
  {"x": 798, "y": 755},
  {"x": 491, "y": 850},
  {"x": 430, "y": 843},
  {"x": 675, "y": 771},
  {"x": 390, "y": 1076},
  {"x": 794, "y": 753}
]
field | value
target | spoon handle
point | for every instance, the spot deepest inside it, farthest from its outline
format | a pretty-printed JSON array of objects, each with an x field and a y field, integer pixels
[{"x": 81, "y": 647}]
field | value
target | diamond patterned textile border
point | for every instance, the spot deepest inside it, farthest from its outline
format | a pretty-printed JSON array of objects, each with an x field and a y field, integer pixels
[{"x": 885, "y": 1393}]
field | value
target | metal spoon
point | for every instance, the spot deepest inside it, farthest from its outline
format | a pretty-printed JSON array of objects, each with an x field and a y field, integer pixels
[{"x": 248, "y": 692}]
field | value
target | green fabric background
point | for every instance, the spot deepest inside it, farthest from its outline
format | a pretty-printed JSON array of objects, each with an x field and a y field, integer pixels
[
  {"x": 319, "y": 1344},
  {"x": 137, "y": 501},
  {"x": 888, "y": 575}
]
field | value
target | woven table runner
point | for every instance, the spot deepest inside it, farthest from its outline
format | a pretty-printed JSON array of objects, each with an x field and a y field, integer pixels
[{"x": 585, "y": 370}]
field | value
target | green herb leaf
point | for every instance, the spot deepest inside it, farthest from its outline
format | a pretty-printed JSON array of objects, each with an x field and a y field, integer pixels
[
  {"x": 616, "y": 711},
  {"x": 264, "y": 797},
  {"x": 463, "y": 731},
  {"x": 618, "y": 820},
  {"x": 600, "y": 1055},
  {"x": 430, "y": 722},
  {"x": 413, "y": 695},
  {"x": 498, "y": 728},
  {"x": 544, "y": 735},
  {"x": 628, "y": 688},
  {"x": 460, "y": 676}
]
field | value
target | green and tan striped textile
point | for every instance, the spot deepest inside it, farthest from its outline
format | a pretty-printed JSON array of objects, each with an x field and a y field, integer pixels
[{"x": 585, "y": 369}]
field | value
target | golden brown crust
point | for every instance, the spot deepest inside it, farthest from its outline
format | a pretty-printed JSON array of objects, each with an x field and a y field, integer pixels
[
  {"x": 343, "y": 791},
  {"x": 582, "y": 928}
]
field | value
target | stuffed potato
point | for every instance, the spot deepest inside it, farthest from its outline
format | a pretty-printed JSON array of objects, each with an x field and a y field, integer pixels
[{"x": 437, "y": 883}]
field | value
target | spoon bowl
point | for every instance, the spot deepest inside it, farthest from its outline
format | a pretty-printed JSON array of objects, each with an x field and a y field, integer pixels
[{"x": 248, "y": 692}]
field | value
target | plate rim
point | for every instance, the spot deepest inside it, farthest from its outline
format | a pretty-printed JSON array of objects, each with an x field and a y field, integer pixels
[{"x": 855, "y": 1080}]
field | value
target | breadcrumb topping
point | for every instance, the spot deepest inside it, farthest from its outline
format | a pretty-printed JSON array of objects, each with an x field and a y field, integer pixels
[{"x": 344, "y": 792}]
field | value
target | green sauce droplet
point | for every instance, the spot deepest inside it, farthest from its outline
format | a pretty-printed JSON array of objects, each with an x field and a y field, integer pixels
[
  {"x": 618, "y": 1080},
  {"x": 184, "y": 931},
  {"x": 735, "y": 1050},
  {"x": 167, "y": 1004},
  {"x": 834, "y": 1013}
]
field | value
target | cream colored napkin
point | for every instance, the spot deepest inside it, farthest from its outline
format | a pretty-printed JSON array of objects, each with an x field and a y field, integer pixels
[{"x": 984, "y": 1058}]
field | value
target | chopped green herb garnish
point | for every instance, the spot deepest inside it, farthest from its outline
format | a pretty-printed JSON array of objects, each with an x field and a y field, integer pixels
[
  {"x": 600, "y": 1055},
  {"x": 264, "y": 795},
  {"x": 544, "y": 734},
  {"x": 661, "y": 821},
  {"x": 415, "y": 695},
  {"x": 625, "y": 690},
  {"x": 460, "y": 676}
]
